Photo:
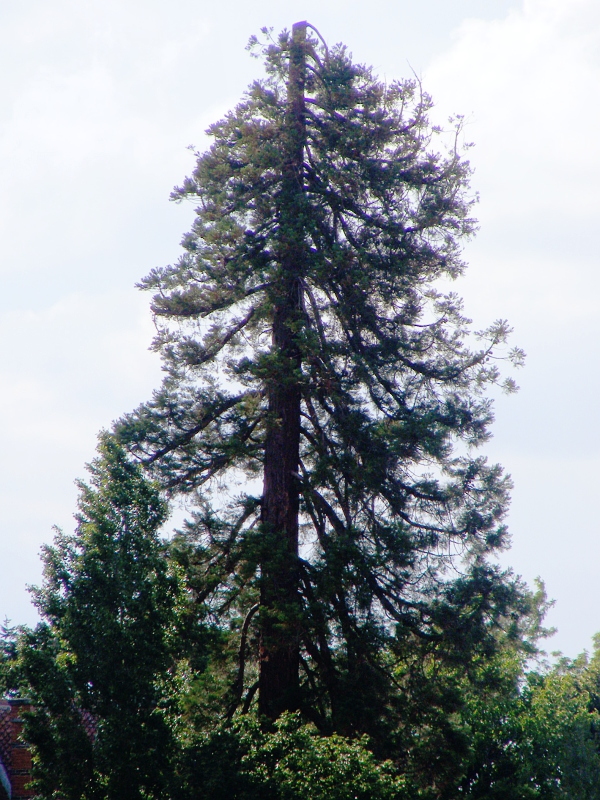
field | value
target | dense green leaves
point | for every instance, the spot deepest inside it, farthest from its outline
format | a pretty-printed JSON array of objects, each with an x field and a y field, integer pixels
[
  {"x": 291, "y": 762},
  {"x": 98, "y": 668},
  {"x": 536, "y": 738}
]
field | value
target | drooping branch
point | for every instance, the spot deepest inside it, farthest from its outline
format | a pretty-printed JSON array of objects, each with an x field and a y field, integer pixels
[
  {"x": 239, "y": 683},
  {"x": 250, "y": 697}
]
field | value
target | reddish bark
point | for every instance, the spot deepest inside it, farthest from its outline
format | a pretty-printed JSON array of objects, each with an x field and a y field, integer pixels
[{"x": 280, "y": 600}]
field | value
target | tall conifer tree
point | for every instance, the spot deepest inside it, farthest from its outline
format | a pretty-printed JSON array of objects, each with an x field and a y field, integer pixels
[{"x": 307, "y": 343}]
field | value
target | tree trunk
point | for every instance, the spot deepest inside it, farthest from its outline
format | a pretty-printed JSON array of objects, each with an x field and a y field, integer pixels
[{"x": 280, "y": 599}]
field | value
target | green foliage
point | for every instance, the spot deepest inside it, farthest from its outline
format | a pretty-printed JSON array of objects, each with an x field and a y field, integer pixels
[
  {"x": 9, "y": 636},
  {"x": 98, "y": 666},
  {"x": 398, "y": 512},
  {"x": 532, "y": 735},
  {"x": 290, "y": 762}
]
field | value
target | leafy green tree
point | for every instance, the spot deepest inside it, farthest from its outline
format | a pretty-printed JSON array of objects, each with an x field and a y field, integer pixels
[
  {"x": 290, "y": 762},
  {"x": 99, "y": 667},
  {"x": 9, "y": 636},
  {"x": 309, "y": 347},
  {"x": 560, "y": 747},
  {"x": 529, "y": 734}
]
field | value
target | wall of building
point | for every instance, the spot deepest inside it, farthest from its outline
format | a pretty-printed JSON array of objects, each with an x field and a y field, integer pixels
[{"x": 15, "y": 758}]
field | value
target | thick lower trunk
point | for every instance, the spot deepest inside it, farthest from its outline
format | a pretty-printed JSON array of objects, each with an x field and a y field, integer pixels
[
  {"x": 280, "y": 599},
  {"x": 280, "y": 603}
]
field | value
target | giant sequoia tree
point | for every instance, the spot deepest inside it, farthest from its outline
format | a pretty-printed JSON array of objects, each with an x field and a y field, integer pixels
[{"x": 308, "y": 345}]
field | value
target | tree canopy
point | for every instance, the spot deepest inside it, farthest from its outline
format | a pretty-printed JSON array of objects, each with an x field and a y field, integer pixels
[
  {"x": 307, "y": 343},
  {"x": 97, "y": 668}
]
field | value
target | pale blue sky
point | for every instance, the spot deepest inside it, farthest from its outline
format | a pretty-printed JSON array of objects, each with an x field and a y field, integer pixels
[{"x": 98, "y": 103}]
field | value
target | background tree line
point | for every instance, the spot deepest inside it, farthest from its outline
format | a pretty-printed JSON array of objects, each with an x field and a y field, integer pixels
[{"x": 330, "y": 620}]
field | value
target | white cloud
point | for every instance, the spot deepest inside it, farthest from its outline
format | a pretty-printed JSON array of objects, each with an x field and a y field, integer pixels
[
  {"x": 93, "y": 129},
  {"x": 70, "y": 369},
  {"x": 530, "y": 86}
]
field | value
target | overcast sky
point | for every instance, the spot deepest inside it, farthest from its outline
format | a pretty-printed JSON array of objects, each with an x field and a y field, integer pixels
[{"x": 99, "y": 101}]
